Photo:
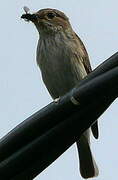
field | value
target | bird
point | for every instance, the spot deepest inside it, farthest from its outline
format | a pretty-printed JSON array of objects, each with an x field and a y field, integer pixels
[{"x": 63, "y": 61}]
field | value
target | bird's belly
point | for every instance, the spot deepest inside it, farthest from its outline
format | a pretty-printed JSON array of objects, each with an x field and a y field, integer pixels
[
  {"x": 61, "y": 70},
  {"x": 59, "y": 80},
  {"x": 60, "y": 66}
]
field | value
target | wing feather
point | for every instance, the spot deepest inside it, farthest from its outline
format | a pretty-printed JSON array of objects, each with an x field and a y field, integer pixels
[{"x": 87, "y": 66}]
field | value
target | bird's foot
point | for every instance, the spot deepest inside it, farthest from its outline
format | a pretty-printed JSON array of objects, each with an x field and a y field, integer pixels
[{"x": 57, "y": 100}]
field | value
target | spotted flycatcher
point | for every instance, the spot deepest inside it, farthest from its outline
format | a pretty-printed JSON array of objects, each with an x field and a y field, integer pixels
[{"x": 63, "y": 61}]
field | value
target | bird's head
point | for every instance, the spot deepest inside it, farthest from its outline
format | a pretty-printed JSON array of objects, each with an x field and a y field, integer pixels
[{"x": 48, "y": 20}]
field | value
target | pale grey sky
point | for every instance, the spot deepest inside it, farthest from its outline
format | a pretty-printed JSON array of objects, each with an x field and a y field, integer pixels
[{"x": 22, "y": 91}]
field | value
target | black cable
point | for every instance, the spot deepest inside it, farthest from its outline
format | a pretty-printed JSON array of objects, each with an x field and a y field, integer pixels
[{"x": 38, "y": 141}]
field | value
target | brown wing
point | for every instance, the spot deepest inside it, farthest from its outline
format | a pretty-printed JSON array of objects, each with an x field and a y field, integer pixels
[
  {"x": 86, "y": 61},
  {"x": 88, "y": 69}
]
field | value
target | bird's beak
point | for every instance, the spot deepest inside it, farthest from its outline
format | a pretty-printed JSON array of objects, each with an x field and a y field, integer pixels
[{"x": 29, "y": 17}]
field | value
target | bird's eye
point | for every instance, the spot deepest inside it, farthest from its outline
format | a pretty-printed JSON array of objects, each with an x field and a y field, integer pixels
[{"x": 50, "y": 15}]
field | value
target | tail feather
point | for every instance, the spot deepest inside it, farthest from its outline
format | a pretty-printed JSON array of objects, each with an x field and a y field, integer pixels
[
  {"x": 94, "y": 129},
  {"x": 88, "y": 167}
]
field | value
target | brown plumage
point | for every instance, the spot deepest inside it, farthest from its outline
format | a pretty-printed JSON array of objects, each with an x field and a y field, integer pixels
[{"x": 63, "y": 61}]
